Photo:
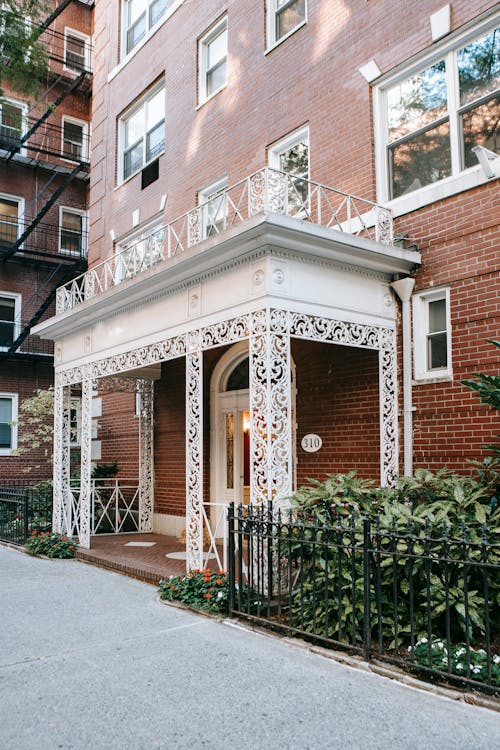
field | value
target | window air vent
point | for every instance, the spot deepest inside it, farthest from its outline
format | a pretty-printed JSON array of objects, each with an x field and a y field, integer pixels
[{"x": 150, "y": 173}]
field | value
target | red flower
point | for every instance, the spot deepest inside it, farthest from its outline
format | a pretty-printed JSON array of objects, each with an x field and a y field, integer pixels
[
  {"x": 207, "y": 596},
  {"x": 218, "y": 581}
]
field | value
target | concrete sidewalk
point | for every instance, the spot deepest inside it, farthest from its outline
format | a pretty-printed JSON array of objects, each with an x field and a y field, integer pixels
[{"x": 90, "y": 659}]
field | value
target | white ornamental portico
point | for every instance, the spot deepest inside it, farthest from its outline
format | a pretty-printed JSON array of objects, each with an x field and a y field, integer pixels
[{"x": 267, "y": 279}]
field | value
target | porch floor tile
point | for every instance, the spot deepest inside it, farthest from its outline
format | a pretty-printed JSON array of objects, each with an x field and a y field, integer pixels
[{"x": 115, "y": 552}]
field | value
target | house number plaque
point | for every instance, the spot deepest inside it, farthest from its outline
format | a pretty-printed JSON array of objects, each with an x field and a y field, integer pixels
[{"x": 311, "y": 443}]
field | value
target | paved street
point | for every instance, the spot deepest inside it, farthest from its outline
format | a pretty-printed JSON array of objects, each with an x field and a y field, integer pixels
[{"x": 90, "y": 659}]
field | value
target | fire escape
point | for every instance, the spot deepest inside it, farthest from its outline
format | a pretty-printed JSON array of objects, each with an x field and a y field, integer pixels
[{"x": 57, "y": 156}]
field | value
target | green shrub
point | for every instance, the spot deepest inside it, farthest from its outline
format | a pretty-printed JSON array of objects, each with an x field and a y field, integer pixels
[
  {"x": 435, "y": 654},
  {"x": 50, "y": 544},
  {"x": 200, "y": 589}
]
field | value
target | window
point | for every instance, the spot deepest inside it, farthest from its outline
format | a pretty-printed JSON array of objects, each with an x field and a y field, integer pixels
[
  {"x": 76, "y": 48},
  {"x": 75, "y": 421},
  {"x": 213, "y": 202},
  {"x": 432, "y": 334},
  {"x": 8, "y": 419},
  {"x": 12, "y": 116},
  {"x": 431, "y": 119},
  {"x": 139, "y": 16},
  {"x": 72, "y": 231},
  {"x": 74, "y": 140},
  {"x": 10, "y": 212},
  {"x": 284, "y": 17},
  {"x": 10, "y": 310},
  {"x": 212, "y": 62},
  {"x": 291, "y": 155},
  {"x": 142, "y": 132}
]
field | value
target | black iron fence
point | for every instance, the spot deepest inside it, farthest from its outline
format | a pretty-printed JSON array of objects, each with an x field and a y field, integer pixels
[
  {"x": 418, "y": 597},
  {"x": 24, "y": 508}
]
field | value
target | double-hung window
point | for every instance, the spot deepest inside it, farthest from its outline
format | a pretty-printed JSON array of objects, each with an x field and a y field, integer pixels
[
  {"x": 213, "y": 203},
  {"x": 10, "y": 310},
  {"x": 12, "y": 115},
  {"x": 284, "y": 17},
  {"x": 432, "y": 116},
  {"x": 72, "y": 231},
  {"x": 142, "y": 136},
  {"x": 432, "y": 334},
  {"x": 138, "y": 17},
  {"x": 212, "y": 60},
  {"x": 8, "y": 419},
  {"x": 11, "y": 209},
  {"x": 74, "y": 140},
  {"x": 76, "y": 51},
  {"x": 291, "y": 155}
]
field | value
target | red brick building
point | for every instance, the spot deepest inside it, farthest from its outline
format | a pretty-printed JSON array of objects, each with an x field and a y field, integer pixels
[
  {"x": 44, "y": 160},
  {"x": 294, "y": 228}
]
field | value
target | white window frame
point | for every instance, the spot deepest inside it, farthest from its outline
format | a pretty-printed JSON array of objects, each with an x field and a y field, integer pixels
[
  {"x": 149, "y": 28},
  {"x": 85, "y": 137},
  {"x": 277, "y": 148},
  {"x": 20, "y": 213},
  {"x": 460, "y": 179},
  {"x": 213, "y": 190},
  {"x": 14, "y": 397},
  {"x": 122, "y": 121},
  {"x": 421, "y": 302},
  {"x": 24, "y": 116},
  {"x": 208, "y": 37},
  {"x": 18, "y": 301},
  {"x": 77, "y": 212},
  {"x": 273, "y": 10},
  {"x": 69, "y": 31}
]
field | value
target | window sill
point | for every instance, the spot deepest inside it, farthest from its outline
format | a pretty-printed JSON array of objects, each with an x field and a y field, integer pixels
[
  {"x": 470, "y": 178},
  {"x": 212, "y": 95},
  {"x": 8, "y": 452},
  {"x": 277, "y": 43},
  {"x": 169, "y": 12},
  {"x": 432, "y": 379}
]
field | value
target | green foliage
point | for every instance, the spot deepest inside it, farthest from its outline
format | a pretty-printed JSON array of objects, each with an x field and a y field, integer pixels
[
  {"x": 104, "y": 471},
  {"x": 200, "y": 589},
  {"x": 23, "y": 58},
  {"x": 435, "y": 654},
  {"x": 36, "y": 422},
  {"x": 50, "y": 544}
]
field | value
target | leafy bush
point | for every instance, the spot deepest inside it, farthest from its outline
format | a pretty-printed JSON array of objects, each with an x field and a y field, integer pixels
[
  {"x": 50, "y": 544},
  {"x": 200, "y": 589},
  {"x": 435, "y": 654}
]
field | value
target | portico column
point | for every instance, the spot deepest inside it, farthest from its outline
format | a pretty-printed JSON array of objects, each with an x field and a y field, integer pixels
[
  {"x": 61, "y": 508},
  {"x": 85, "y": 526},
  {"x": 146, "y": 458},
  {"x": 194, "y": 451},
  {"x": 388, "y": 389},
  {"x": 270, "y": 407}
]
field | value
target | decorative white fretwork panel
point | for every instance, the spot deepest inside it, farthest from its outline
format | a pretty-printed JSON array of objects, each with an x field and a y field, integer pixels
[
  {"x": 62, "y": 430},
  {"x": 194, "y": 452},
  {"x": 85, "y": 465},
  {"x": 146, "y": 458}
]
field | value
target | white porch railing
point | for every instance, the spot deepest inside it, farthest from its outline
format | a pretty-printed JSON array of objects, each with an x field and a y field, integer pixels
[
  {"x": 114, "y": 507},
  {"x": 267, "y": 191}
]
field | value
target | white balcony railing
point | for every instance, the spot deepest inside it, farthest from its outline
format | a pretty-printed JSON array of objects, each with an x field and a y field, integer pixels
[{"x": 267, "y": 191}]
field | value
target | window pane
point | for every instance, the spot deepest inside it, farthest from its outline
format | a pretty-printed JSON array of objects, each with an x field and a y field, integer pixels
[
  {"x": 155, "y": 109},
  {"x": 134, "y": 127},
  {"x": 417, "y": 102},
  {"x": 230, "y": 451},
  {"x": 136, "y": 32},
  {"x": 7, "y": 312},
  {"x": 437, "y": 355},
  {"x": 217, "y": 49},
  {"x": 480, "y": 127},
  {"x": 5, "y": 418},
  {"x": 420, "y": 160},
  {"x": 73, "y": 140},
  {"x": 155, "y": 142},
  {"x": 75, "y": 52},
  {"x": 288, "y": 18},
  {"x": 216, "y": 78},
  {"x": 295, "y": 161},
  {"x": 135, "y": 8},
  {"x": 8, "y": 220},
  {"x": 71, "y": 232},
  {"x": 132, "y": 160},
  {"x": 156, "y": 10},
  {"x": 437, "y": 315},
  {"x": 11, "y": 116},
  {"x": 479, "y": 67}
]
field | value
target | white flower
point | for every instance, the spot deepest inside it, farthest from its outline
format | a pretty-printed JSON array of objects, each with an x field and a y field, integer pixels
[
  {"x": 460, "y": 652},
  {"x": 481, "y": 651},
  {"x": 220, "y": 595},
  {"x": 440, "y": 644},
  {"x": 459, "y": 666},
  {"x": 422, "y": 640},
  {"x": 496, "y": 659},
  {"x": 476, "y": 669}
]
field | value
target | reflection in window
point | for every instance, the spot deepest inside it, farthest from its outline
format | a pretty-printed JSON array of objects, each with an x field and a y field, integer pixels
[
  {"x": 11, "y": 121},
  {"x": 420, "y": 160},
  {"x": 7, "y": 321},
  {"x": 213, "y": 60},
  {"x": 230, "y": 451},
  {"x": 291, "y": 155},
  {"x": 288, "y": 14},
  {"x": 138, "y": 17},
  {"x": 239, "y": 379},
  {"x": 437, "y": 357},
  {"x": 143, "y": 133},
  {"x": 9, "y": 216},
  {"x": 6, "y": 417}
]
